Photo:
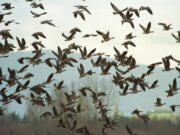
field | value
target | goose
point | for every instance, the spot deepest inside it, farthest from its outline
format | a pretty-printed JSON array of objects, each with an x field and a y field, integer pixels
[
  {"x": 127, "y": 20},
  {"x": 49, "y": 99},
  {"x": 35, "y": 15},
  {"x": 21, "y": 43},
  {"x": 36, "y": 5},
  {"x": 59, "y": 86},
  {"x": 136, "y": 11},
  {"x": 165, "y": 26},
  {"x": 148, "y": 9},
  {"x": 80, "y": 13},
  {"x": 23, "y": 69},
  {"x": 173, "y": 107},
  {"x": 9, "y": 22},
  {"x": 126, "y": 43},
  {"x": 104, "y": 71},
  {"x": 74, "y": 30},
  {"x": 81, "y": 71},
  {"x": 68, "y": 38},
  {"x": 36, "y": 35},
  {"x": 146, "y": 30},
  {"x": 28, "y": 75},
  {"x": 166, "y": 64},
  {"x": 2, "y": 16},
  {"x": 6, "y": 34},
  {"x": 89, "y": 35},
  {"x": 177, "y": 37},
  {"x": 158, "y": 102},
  {"x": 7, "y": 6},
  {"x": 84, "y": 89},
  {"x": 154, "y": 84},
  {"x": 105, "y": 36},
  {"x": 129, "y": 36},
  {"x": 98, "y": 61},
  {"x": 37, "y": 89},
  {"x": 49, "y": 22},
  {"x": 171, "y": 93},
  {"x": 174, "y": 85},
  {"x": 83, "y": 8},
  {"x": 55, "y": 112},
  {"x": 124, "y": 93},
  {"x": 134, "y": 89},
  {"x": 49, "y": 79},
  {"x": 118, "y": 11},
  {"x": 59, "y": 67},
  {"x": 84, "y": 54},
  {"x": 136, "y": 112}
]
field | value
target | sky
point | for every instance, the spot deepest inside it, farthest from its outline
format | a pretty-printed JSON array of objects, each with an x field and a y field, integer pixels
[{"x": 149, "y": 48}]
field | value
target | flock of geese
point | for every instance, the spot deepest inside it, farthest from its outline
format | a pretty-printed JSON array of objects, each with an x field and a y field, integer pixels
[{"x": 128, "y": 84}]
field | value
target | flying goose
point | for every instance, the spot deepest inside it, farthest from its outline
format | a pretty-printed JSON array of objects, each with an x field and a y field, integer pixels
[
  {"x": 148, "y": 9},
  {"x": 6, "y": 34},
  {"x": 2, "y": 16},
  {"x": 118, "y": 11},
  {"x": 84, "y": 89},
  {"x": 154, "y": 84},
  {"x": 80, "y": 13},
  {"x": 146, "y": 30},
  {"x": 28, "y": 75},
  {"x": 59, "y": 85},
  {"x": 171, "y": 93},
  {"x": 82, "y": 73},
  {"x": 166, "y": 64},
  {"x": 177, "y": 37},
  {"x": 126, "y": 43},
  {"x": 49, "y": 79},
  {"x": 21, "y": 43},
  {"x": 165, "y": 26},
  {"x": 105, "y": 36},
  {"x": 124, "y": 93},
  {"x": 83, "y": 8},
  {"x": 129, "y": 36},
  {"x": 173, "y": 107},
  {"x": 158, "y": 102},
  {"x": 72, "y": 32},
  {"x": 136, "y": 112},
  {"x": 98, "y": 61},
  {"x": 49, "y": 22},
  {"x": 35, "y": 15},
  {"x": 7, "y": 6},
  {"x": 36, "y": 5},
  {"x": 38, "y": 34},
  {"x": 84, "y": 54},
  {"x": 23, "y": 69},
  {"x": 128, "y": 21},
  {"x": 105, "y": 70},
  {"x": 89, "y": 35},
  {"x": 9, "y": 22},
  {"x": 68, "y": 38},
  {"x": 134, "y": 10}
]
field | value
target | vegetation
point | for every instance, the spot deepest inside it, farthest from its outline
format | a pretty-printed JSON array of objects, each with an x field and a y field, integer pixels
[{"x": 32, "y": 124}]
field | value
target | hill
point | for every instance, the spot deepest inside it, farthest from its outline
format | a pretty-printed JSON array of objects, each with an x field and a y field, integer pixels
[{"x": 126, "y": 104}]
